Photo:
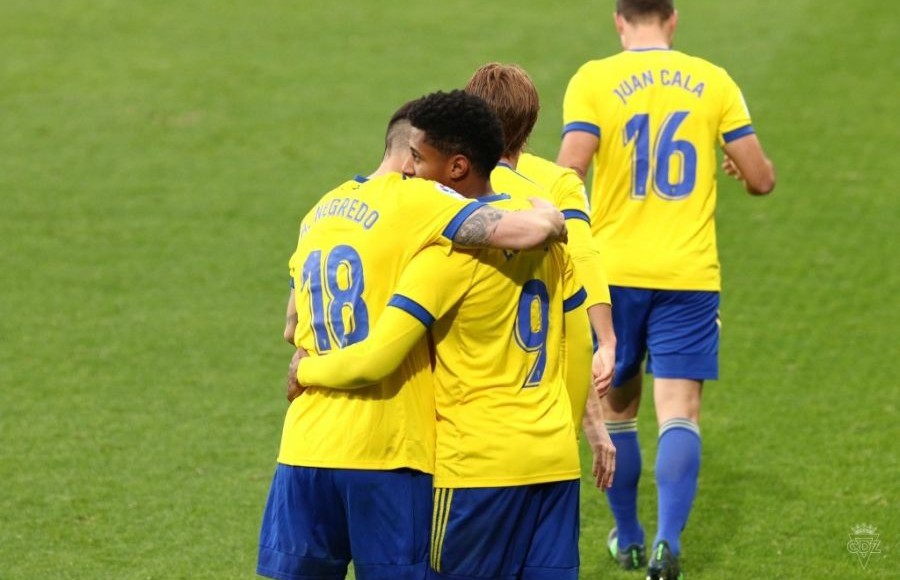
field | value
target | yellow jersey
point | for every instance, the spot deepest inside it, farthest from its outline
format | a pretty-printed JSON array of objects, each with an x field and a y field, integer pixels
[
  {"x": 353, "y": 245},
  {"x": 503, "y": 412},
  {"x": 568, "y": 194},
  {"x": 496, "y": 318},
  {"x": 534, "y": 176},
  {"x": 659, "y": 115}
]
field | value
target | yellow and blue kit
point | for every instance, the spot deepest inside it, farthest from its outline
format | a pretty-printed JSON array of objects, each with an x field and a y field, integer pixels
[
  {"x": 659, "y": 115},
  {"x": 352, "y": 249},
  {"x": 504, "y": 422},
  {"x": 349, "y": 458}
]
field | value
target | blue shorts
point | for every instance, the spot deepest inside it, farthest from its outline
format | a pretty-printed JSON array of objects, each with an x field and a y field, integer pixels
[
  {"x": 527, "y": 532},
  {"x": 317, "y": 520},
  {"x": 678, "y": 328}
]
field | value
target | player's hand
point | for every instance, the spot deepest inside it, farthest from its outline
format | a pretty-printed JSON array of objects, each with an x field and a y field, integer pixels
[
  {"x": 603, "y": 365},
  {"x": 729, "y": 167},
  {"x": 604, "y": 467},
  {"x": 555, "y": 217},
  {"x": 294, "y": 388}
]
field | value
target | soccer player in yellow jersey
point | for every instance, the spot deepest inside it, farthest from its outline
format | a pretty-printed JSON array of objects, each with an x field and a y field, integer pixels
[
  {"x": 651, "y": 118},
  {"x": 511, "y": 232},
  {"x": 507, "y": 471},
  {"x": 514, "y": 99},
  {"x": 353, "y": 479}
]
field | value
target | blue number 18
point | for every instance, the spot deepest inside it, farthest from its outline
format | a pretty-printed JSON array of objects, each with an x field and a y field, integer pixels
[{"x": 342, "y": 286}]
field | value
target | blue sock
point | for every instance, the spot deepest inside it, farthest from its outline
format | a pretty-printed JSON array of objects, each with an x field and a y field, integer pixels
[
  {"x": 622, "y": 496},
  {"x": 677, "y": 469}
]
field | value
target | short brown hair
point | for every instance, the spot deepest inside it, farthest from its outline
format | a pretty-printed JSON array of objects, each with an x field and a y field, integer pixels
[
  {"x": 397, "y": 132},
  {"x": 639, "y": 10},
  {"x": 509, "y": 91}
]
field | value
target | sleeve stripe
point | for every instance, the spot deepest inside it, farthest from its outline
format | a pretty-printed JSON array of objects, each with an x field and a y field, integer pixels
[
  {"x": 412, "y": 308},
  {"x": 582, "y": 126},
  {"x": 575, "y": 214},
  {"x": 292, "y": 283},
  {"x": 575, "y": 300},
  {"x": 738, "y": 133},
  {"x": 453, "y": 227}
]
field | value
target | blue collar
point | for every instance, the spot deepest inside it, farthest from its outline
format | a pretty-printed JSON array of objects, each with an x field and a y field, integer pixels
[{"x": 494, "y": 197}]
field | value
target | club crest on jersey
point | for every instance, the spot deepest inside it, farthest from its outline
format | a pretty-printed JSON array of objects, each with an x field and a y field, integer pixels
[{"x": 448, "y": 190}]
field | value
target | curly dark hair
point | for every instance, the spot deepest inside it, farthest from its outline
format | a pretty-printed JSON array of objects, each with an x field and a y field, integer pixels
[{"x": 459, "y": 123}]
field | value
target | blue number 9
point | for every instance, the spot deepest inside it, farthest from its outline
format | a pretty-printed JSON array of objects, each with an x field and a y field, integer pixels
[{"x": 531, "y": 327}]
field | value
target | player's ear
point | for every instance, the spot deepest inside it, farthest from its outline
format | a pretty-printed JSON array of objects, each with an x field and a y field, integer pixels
[
  {"x": 459, "y": 167},
  {"x": 669, "y": 26},
  {"x": 620, "y": 23},
  {"x": 408, "y": 168}
]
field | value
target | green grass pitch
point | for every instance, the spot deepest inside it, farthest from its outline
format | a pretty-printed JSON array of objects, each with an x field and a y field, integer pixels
[{"x": 155, "y": 158}]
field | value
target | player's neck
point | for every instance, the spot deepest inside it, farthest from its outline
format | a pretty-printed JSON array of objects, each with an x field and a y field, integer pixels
[
  {"x": 473, "y": 187},
  {"x": 391, "y": 163},
  {"x": 512, "y": 160},
  {"x": 646, "y": 38}
]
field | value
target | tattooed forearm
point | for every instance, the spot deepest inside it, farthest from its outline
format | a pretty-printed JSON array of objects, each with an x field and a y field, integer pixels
[{"x": 478, "y": 228}]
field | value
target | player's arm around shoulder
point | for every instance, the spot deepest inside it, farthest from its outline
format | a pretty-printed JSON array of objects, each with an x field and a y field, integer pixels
[
  {"x": 429, "y": 286},
  {"x": 470, "y": 223},
  {"x": 512, "y": 230},
  {"x": 746, "y": 161},
  {"x": 364, "y": 363}
]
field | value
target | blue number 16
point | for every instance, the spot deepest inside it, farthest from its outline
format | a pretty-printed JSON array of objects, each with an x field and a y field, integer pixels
[
  {"x": 664, "y": 148},
  {"x": 336, "y": 297},
  {"x": 531, "y": 327}
]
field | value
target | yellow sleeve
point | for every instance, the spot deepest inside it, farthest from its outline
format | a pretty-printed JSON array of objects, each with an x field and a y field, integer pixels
[
  {"x": 430, "y": 285},
  {"x": 366, "y": 362},
  {"x": 295, "y": 257},
  {"x": 735, "y": 121},
  {"x": 434, "y": 282},
  {"x": 578, "y": 362},
  {"x": 573, "y": 292},
  {"x": 570, "y": 198},
  {"x": 439, "y": 210},
  {"x": 579, "y": 108},
  {"x": 577, "y": 346}
]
